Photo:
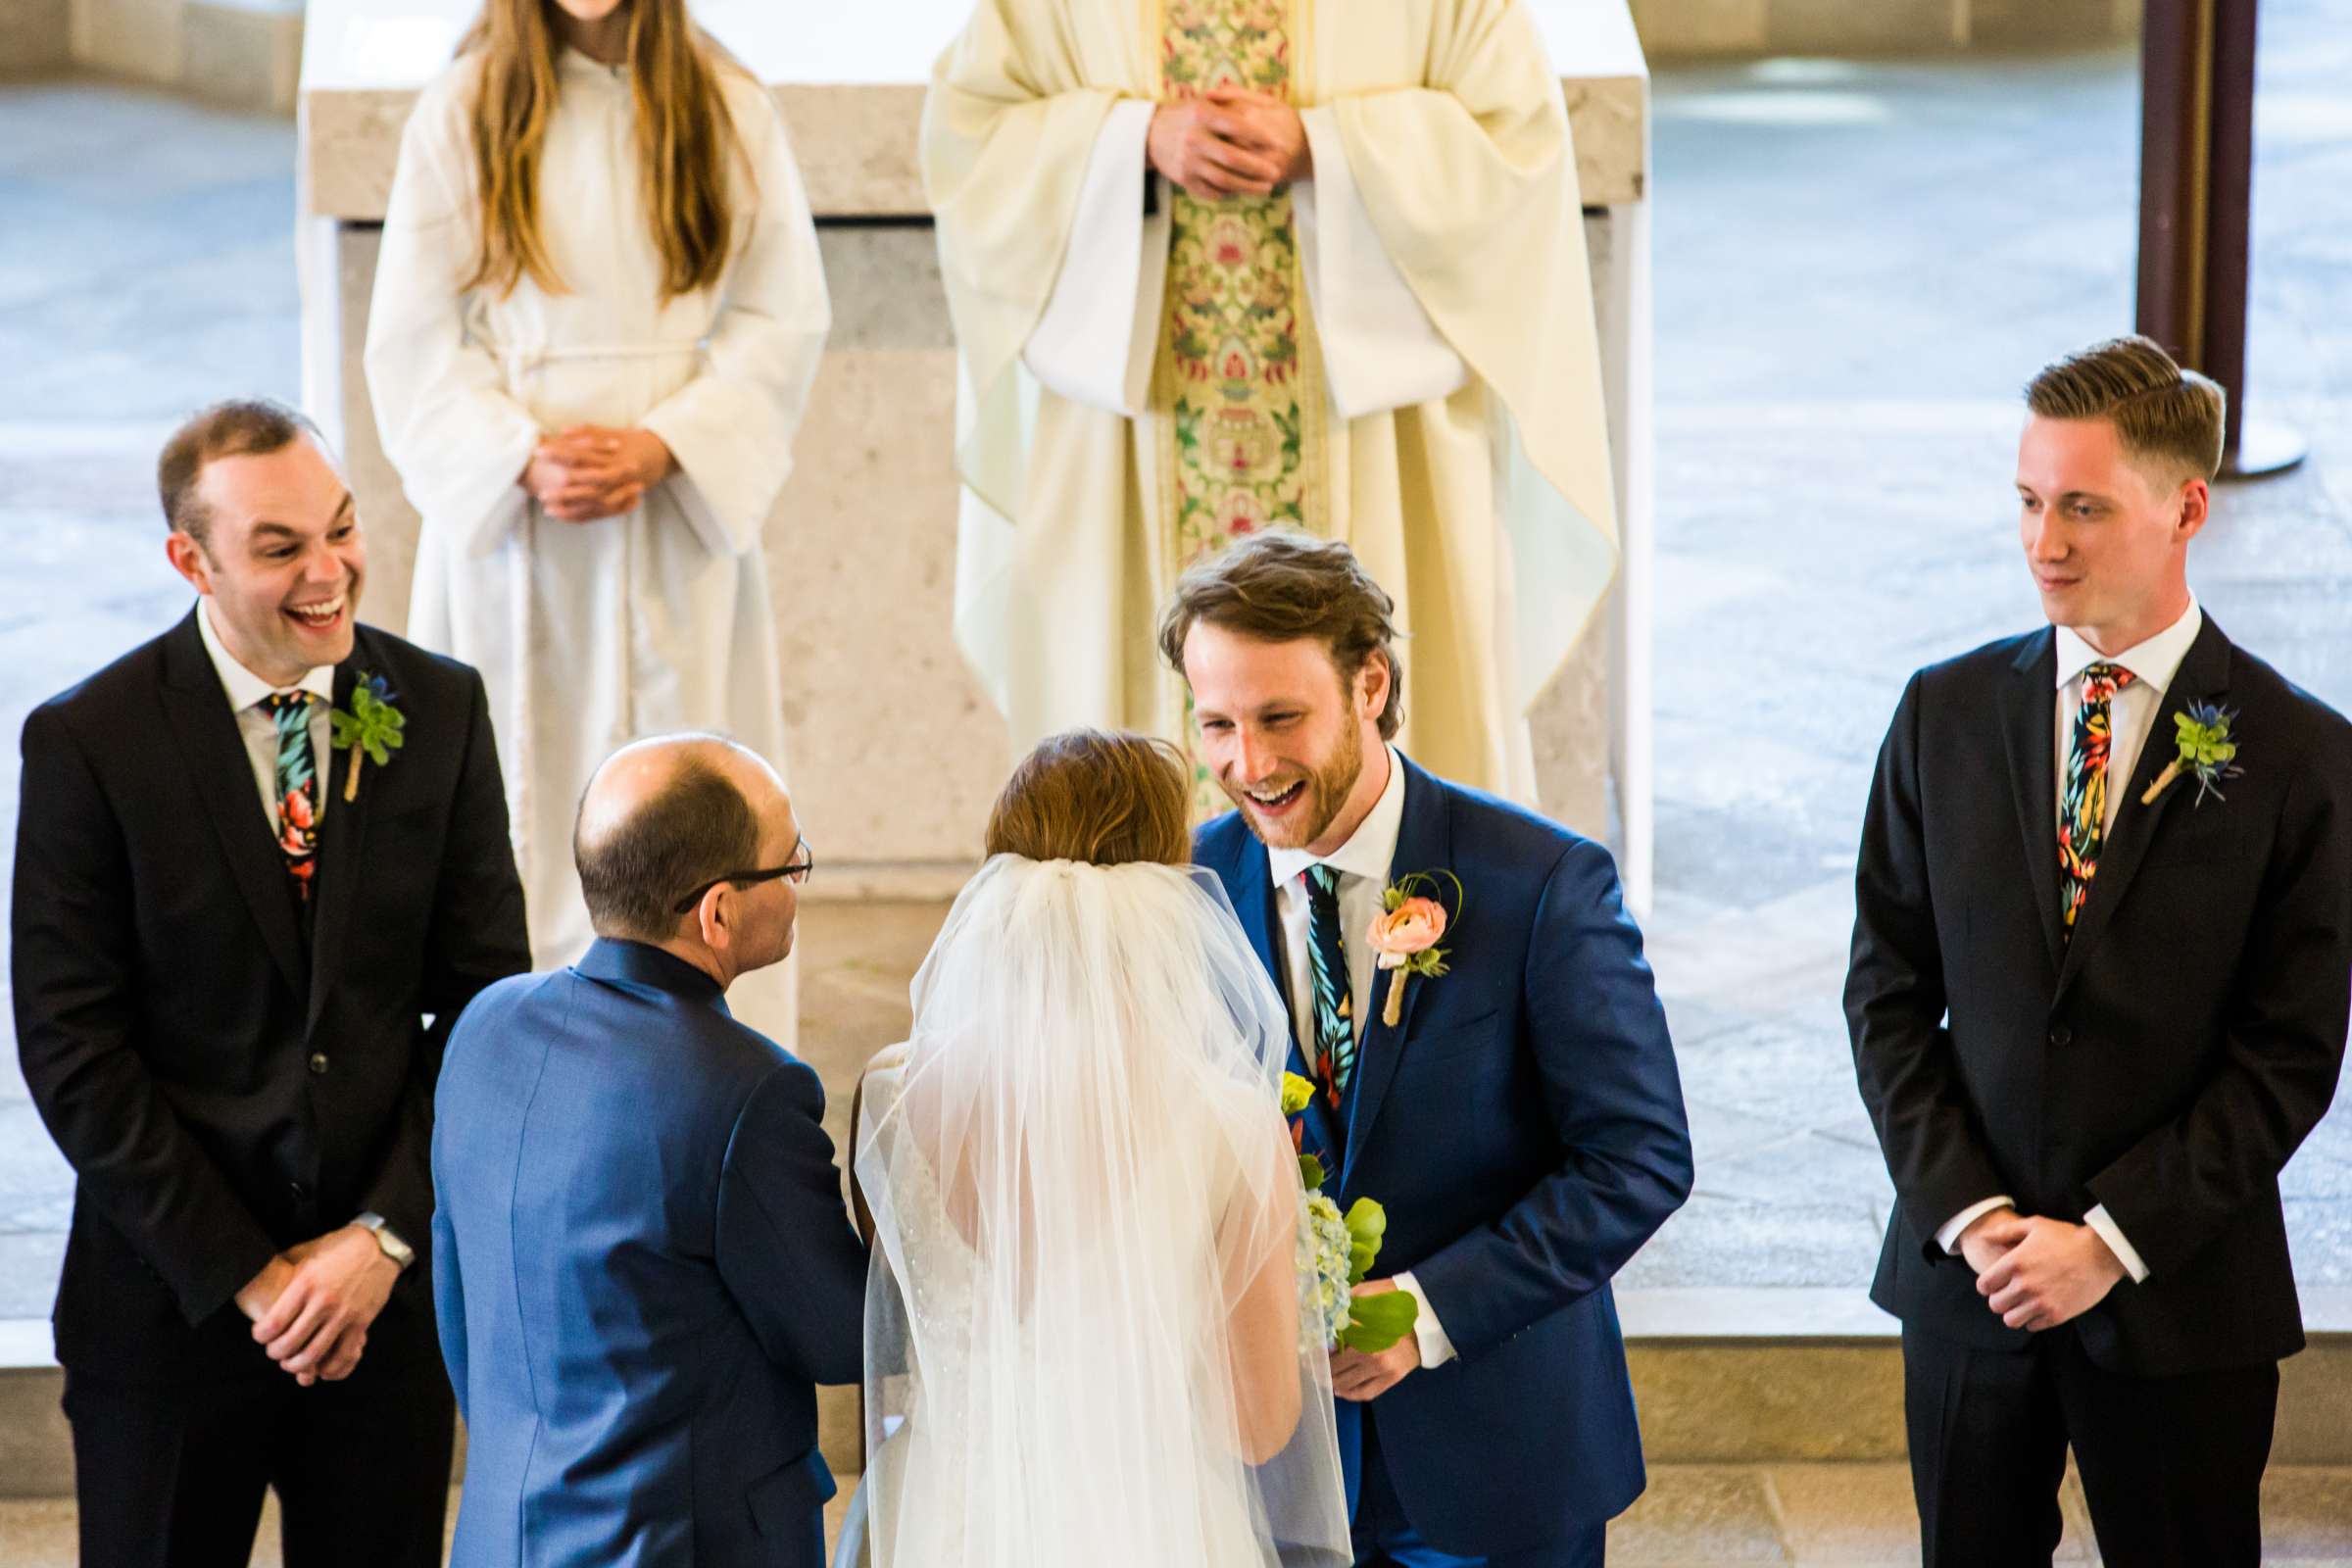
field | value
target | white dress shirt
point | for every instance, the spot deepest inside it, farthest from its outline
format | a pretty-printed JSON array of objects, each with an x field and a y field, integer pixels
[
  {"x": 246, "y": 692},
  {"x": 2131, "y": 714},
  {"x": 1364, "y": 863}
]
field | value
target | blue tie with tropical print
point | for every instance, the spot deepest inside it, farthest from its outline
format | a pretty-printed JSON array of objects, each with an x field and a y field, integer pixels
[
  {"x": 297, "y": 792},
  {"x": 1335, "y": 1011},
  {"x": 2082, "y": 809}
]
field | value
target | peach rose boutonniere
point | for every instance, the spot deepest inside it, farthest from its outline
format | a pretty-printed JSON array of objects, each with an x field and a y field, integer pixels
[{"x": 1407, "y": 930}]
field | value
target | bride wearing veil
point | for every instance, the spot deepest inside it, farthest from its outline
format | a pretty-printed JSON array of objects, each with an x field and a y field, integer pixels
[{"x": 1084, "y": 1339}]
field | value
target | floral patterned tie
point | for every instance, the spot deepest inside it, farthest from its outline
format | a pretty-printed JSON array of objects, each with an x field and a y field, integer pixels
[
  {"x": 1327, "y": 958},
  {"x": 2083, "y": 811},
  {"x": 297, "y": 787}
]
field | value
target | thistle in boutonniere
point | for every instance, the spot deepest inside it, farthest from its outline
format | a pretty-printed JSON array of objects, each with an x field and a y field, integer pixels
[
  {"x": 1336, "y": 1254},
  {"x": 371, "y": 729},
  {"x": 1406, "y": 931},
  {"x": 2205, "y": 748}
]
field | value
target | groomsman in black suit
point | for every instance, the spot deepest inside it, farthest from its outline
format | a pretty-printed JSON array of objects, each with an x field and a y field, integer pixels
[
  {"x": 2101, "y": 967},
  {"x": 237, "y": 951}
]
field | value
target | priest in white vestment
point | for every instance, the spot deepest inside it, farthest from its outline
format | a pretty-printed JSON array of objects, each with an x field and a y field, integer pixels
[
  {"x": 591, "y": 633},
  {"x": 1219, "y": 266}
]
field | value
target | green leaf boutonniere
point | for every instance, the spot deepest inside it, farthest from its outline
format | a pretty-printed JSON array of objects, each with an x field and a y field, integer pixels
[
  {"x": 2206, "y": 749},
  {"x": 1406, "y": 931},
  {"x": 371, "y": 729}
]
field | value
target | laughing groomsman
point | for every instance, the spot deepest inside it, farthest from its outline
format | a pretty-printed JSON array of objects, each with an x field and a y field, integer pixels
[
  {"x": 2098, "y": 995},
  {"x": 238, "y": 949}
]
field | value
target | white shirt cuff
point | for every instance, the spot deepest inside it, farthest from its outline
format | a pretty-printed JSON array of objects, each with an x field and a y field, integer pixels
[
  {"x": 2099, "y": 1219},
  {"x": 1094, "y": 342},
  {"x": 1428, "y": 1333},
  {"x": 1954, "y": 1228}
]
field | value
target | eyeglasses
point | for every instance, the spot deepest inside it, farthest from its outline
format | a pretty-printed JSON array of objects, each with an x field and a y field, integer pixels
[{"x": 798, "y": 868}]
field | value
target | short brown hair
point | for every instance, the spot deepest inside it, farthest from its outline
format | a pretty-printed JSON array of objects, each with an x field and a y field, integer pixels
[
  {"x": 2159, "y": 411},
  {"x": 239, "y": 427},
  {"x": 697, "y": 829},
  {"x": 1281, "y": 587},
  {"x": 1107, "y": 799}
]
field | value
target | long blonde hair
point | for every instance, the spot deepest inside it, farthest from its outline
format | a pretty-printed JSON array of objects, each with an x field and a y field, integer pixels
[{"x": 685, "y": 140}]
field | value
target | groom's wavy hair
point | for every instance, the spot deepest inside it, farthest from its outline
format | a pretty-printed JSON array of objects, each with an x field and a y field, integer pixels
[
  {"x": 1104, "y": 797},
  {"x": 2162, "y": 414},
  {"x": 1284, "y": 586}
]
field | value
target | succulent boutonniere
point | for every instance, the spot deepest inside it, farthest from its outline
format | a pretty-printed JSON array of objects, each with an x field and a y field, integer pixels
[
  {"x": 2205, "y": 748},
  {"x": 371, "y": 729},
  {"x": 1406, "y": 931}
]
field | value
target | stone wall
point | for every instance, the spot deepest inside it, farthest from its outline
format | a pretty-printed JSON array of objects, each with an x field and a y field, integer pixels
[
  {"x": 243, "y": 53},
  {"x": 1696, "y": 29}
]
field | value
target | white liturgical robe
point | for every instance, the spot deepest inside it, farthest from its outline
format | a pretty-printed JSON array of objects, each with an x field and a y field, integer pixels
[
  {"x": 1447, "y": 311},
  {"x": 591, "y": 634}
]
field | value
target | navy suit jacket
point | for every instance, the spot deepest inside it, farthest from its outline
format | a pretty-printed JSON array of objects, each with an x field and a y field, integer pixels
[
  {"x": 1523, "y": 1125},
  {"x": 643, "y": 1267}
]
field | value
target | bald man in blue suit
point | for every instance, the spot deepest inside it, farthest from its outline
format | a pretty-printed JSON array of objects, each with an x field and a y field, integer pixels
[{"x": 642, "y": 1259}]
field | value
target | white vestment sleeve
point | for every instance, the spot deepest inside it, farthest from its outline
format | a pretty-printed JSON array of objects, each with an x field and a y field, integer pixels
[
  {"x": 1381, "y": 351},
  {"x": 442, "y": 412},
  {"x": 731, "y": 427},
  {"x": 1095, "y": 344}
]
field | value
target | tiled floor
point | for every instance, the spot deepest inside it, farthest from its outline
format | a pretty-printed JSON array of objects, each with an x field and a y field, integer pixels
[{"x": 1857, "y": 265}]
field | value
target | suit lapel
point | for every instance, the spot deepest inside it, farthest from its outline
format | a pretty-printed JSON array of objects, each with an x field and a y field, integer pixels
[
  {"x": 1424, "y": 843},
  {"x": 342, "y": 849},
  {"x": 2029, "y": 730},
  {"x": 198, "y": 711},
  {"x": 2204, "y": 675}
]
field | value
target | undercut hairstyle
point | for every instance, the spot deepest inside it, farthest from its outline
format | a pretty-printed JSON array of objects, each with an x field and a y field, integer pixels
[
  {"x": 697, "y": 829},
  {"x": 237, "y": 428},
  {"x": 1283, "y": 586},
  {"x": 1107, "y": 799},
  {"x": 2163, "y": 413}
]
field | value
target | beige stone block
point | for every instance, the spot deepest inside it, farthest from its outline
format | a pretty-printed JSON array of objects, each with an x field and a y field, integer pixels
[
  {"x": 138, "y": 38},
  {"x": 39, "y": 1535},
  {"x": 1757, "y": 1401},
  {"x": 2307, "y": 1513},
  {"x": 2314, "y": 1404},
  {"x": 242, "y": 54},
  {"x": 36, "y": 1453},
  {"x": 36, "y": 37},
  {"x": 2049, "y": 24},
  {"x": 1688, "y": 27},
  {"x": 1699, "y": 1514},
  {"x": 1882, "y": 27}
]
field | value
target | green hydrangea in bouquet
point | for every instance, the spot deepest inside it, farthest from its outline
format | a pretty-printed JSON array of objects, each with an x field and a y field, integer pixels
[{"x": 1336, "y": 1253}]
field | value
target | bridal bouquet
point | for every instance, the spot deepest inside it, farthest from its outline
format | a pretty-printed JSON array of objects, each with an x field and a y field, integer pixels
[{"x": 1336, "y": 1253}]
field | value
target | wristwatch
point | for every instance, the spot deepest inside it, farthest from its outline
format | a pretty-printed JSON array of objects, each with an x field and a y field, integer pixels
[{"x": 398, "y": 1251}]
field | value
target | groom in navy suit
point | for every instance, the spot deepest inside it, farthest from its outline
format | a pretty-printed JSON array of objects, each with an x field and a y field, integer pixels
[
  {"x": 1521, "y": 1119},
  {"x": 641, "y": 1257}
]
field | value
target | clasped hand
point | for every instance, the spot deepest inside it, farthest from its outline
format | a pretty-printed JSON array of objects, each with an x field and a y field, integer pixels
[
  {"x": 1229, "y": 144},
  {"x": 312, "y": 1304},
  {"x": 2035, "y": 1272},
  {"x": 592, "y": 472},
  {"x": 1358, "y": 1376}
]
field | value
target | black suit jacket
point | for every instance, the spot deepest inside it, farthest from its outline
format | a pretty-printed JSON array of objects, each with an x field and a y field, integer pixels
[
  {"x": 224, "y": 1084},
  {"x": 2166, "y": 1061}
]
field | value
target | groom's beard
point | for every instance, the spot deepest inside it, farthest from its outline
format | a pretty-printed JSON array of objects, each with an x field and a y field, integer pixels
[{"x": 1323, "y": 794}]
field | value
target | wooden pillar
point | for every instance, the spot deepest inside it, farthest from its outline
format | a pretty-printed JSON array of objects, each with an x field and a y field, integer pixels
[{"x": 2196, "y": 180}]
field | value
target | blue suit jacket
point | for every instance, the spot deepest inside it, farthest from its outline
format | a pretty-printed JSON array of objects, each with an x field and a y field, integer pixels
[
  {"x": 642, "y": 1265},
  {"x": 1523, "y": 1125}
]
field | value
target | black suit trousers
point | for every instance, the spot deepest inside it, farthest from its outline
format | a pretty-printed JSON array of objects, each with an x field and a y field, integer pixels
[
  {"x": 175, "y": 1477},
  {"x": 2171, "y": 1466}
]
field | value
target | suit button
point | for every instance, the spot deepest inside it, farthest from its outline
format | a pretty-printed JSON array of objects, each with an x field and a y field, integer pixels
[
  {"x": 302, "y": 1194},
  {"x": 319, "y": 1062},
  {"x": 2061, "y": 1037}
]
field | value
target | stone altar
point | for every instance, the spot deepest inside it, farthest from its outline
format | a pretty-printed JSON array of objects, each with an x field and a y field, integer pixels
[{"x": 861, "y": 549}]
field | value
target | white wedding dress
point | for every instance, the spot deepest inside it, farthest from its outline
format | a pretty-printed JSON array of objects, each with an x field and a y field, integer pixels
[{"x": 1086, "y": 1209}]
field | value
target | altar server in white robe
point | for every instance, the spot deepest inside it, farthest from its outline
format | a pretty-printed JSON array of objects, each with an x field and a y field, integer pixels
[
  {"x": 598, "y": 310},
  {"x": 1217, "y": 266}
]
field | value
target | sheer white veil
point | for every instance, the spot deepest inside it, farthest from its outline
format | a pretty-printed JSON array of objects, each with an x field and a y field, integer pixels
[{"x": 1083, "y": 1342}]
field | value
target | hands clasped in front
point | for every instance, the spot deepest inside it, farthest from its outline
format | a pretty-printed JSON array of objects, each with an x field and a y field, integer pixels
[
  {"x": 1229, "y": 144},
  {"x": 1358, "y": 1375},
  {"x": 590, "y": 472},
  {"x": 312, "y": 1306},
  {"x": 2035, "y": 1272}
]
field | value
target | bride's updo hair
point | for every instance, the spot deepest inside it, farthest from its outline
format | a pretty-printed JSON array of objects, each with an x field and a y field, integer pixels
[{"x": 1104, "y": 797}]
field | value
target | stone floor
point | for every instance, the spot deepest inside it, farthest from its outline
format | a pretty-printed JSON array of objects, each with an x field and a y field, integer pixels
[
  {"x": 1857, "y": 265},
  {"x": 1694, "y": 1516}
]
